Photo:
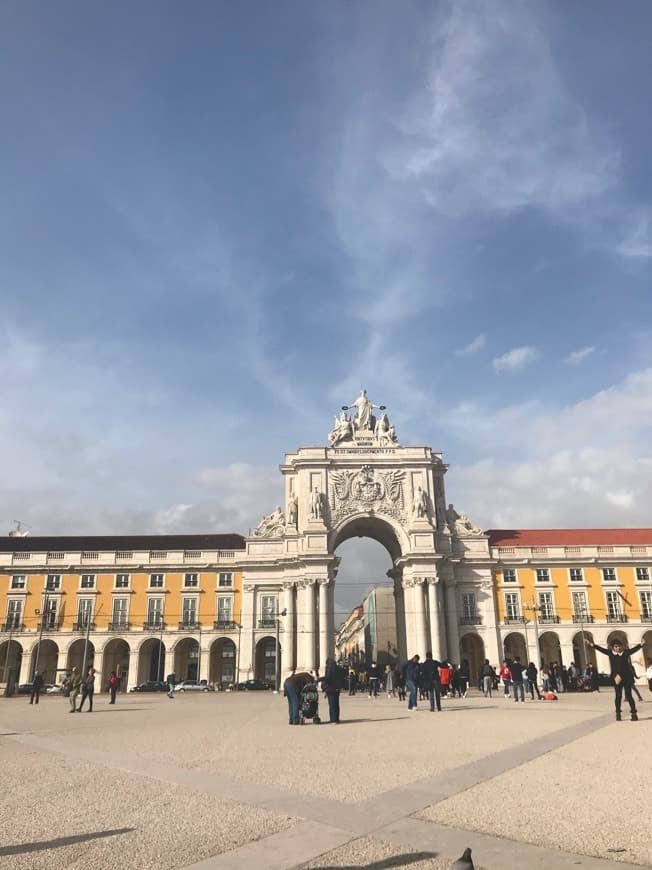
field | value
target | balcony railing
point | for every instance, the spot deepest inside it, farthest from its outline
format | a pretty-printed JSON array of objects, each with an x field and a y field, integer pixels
[
  {"x": 473, "y": 619},
  {"x": 13, "y": 626},
  {"x": 188, "y": 625},
  {"x": 268, "y": 622},
  {"x": 83, "y": 626},
  {"x": 548, "y": 620},
  {"x": 616, "y": 617},
  {"x": 514, "y": 620},
  {"x": 155, "y": 625},
  {"x": 224, "y": 625},
  {"x": 118, "y": 626},
  {"x": 646, "y": 617},
  {"x": 51, "y": 625},
  {"x": 583, "y": 617}
]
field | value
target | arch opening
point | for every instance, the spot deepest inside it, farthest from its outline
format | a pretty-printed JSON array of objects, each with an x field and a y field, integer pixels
[
  {"x": 45, "y": 658},
  {"x": 151, "y": 660},
  {"x": 116, "y": 659},
  {"x": 222, "y": 663}
]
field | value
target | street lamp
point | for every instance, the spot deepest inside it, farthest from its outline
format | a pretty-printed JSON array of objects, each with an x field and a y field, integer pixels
[{"x": 277, "y": 656}]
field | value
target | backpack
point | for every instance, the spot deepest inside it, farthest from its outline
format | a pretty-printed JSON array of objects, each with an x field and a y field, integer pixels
[{"x": 339, "y": 678}]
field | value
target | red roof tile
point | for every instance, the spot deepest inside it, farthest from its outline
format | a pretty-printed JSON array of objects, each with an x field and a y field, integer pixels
[{"x": 568, "y": 537}]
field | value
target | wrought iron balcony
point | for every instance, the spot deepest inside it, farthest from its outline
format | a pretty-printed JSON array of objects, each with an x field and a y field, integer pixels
[
  {"x": 548, "y": 620},
  {"x": 616, "y": 617},
  {"x": 83, "y": 626},
  {"x": 188, "y": 625},
  {"x": 646, "y": 618},
  {"x": 118, "y": 626},
  {"x": 514, "y": 620},
  {"x": 268, "y": 622},
  {"x": 583, "y": 617},
  {"x": 224, "y": 625},
  {"x": 474, "y": 619},
  {"x": 13, "y": 626},
  {"x": 156, "y": 625},
  {"x": 51, "y": 625}
]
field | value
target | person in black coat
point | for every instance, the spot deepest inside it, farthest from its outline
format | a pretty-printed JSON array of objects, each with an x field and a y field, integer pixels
[
  {"x": 621, "y": 673},
  {"x": 37, "y": 688},
  {"x": 332, "y": 684},
  {"x": 429, "y": 679}
]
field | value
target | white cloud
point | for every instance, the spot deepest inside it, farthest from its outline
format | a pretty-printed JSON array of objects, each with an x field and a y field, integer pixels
[
  {"x": 578, "y": 356},
  {"x": 637, "y": 242},
  {"x": 473, "y": 347},
  {"x": 515, "y": 359}
]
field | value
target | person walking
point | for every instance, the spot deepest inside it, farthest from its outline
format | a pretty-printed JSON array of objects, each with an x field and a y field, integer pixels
[
  {"x": 410, "y": 670},
  {"x": 429, "y": 678},
  {"x": 114, "y": 682},
  {"x": 37, "y": 686},
  {"x": 505, "y": 675},
  {"x": 87, "y": 691},
  {"x": 634, "y": 678},
  {"x": 74, "y": 685},
  {"x": 390, "y": 680},
  {"x": 532, "y": 674},
  {"x": 171, "y": 680},
  {"x": 400, "y": 682},
  {"x": 621, "y": 673},
  {"x": 352, "y": 680},
  {"x": 374, "y": 680},
  {"x": 487, "y": 675},
  {"x": 292, "y": 691},
  {"x": 464, "y": 677},
  {"x": 445, "y": 677},
  {"x": 517, "y": 679}
]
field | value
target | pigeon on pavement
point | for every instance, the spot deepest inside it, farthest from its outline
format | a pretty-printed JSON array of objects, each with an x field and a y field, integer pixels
[{"x": 465, "y": 862}]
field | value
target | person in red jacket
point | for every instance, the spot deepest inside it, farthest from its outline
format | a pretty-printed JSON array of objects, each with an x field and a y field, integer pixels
[
  {"x": 505, "y": 674},
  {"x": 445, "y": 675}
]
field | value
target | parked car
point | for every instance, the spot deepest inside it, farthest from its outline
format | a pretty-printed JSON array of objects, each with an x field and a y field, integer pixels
[
  {"x": 150, "y": 686},
  {"x": 255, "y": 686},
  {"x": 24, "y": 689},
  {"x": 53, "y": 689},
  {"x": 193, "y": 686}
]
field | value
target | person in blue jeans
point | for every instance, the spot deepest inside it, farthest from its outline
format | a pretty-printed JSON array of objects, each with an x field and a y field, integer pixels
[
  {"x": 292, "y": 691},
  {"x": 429, "y": 678},
  {"x": 517, "y": 679},
  {"x": 411, "y": 670}
]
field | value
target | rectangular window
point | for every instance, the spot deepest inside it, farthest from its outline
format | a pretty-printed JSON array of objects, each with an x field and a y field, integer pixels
[
  {"x": 53, "y": 582},
  {"x": 88, "y": 581},
  {"x": 579, "y": 605},
  {"x": 50, "y": 615},
  {"x": 156, "y": 581},
  {"x": 614, "y": 605},
  {"x": 643, "y": 574},
  {"x": 191, "y": 581},
  {"x": 84, "y": 612},
  {"x": 122, "y": 581},
  {"x": 268, "y": 607},
  {"x": 225, "y": 579},
  {"x": 19, "y": 581},
  {"x": 155, "y": 611},
  {"x": 189, "y": 612},
  {"x": 546, "y": 605},
  {"x": 577, "y": 575},
  {"x": 512, "y": 606},
  {"x": 120, "y": 610},
  {"x": 14, "y": 614},
  {"x": 468, "y": 605},
  {"x": 609, "y": 575},
  {"x": 646, "y": 605},
  {"x": 224, "y": 609},
  {"x": 509, "y": 575},
  {"x": 543, "y": 575}
]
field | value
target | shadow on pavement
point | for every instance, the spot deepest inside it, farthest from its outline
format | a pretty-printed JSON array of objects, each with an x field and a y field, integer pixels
[
  {"x": 385, "y": 863},
  {"x": 353, "y": 721},
  {"x": 23, "y": 848}
]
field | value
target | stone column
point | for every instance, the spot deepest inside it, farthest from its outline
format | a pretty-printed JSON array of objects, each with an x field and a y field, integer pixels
[
  {"x": 399, "y": 607},
  {"x": 420, "y": 616},
  {"x": 132, "y": 673},
  {"x": 288, "y": 636},
  {"x": 62, "y": 662},
  {"x": 407, "y": 585},
  {"x": 323, "y": 622},
  {"x": 310, "y": 626},
  {"x": 435, "y": 623},
  {"x": 246, "y": 635},
  {"x": 452, "y": 617},
  {"x": 204, "y": 662},
  {"x": 331, "y": 619},
  {"x": 26, "y": 666},
  {"x": 168, "y": 660}
]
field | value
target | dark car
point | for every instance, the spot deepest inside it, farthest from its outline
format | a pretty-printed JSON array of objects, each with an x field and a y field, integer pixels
[
  {"x": 151, "y": 686},
  {"x": 24, "y": 689},
  {"x": 255, "y": 686}
]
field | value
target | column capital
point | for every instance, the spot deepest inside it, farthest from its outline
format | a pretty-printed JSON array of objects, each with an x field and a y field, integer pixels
[
  {"x": 407, "y": 583},
  {"x": 249, "y": 587},
  {"x": 432, "y": 581},
  {"x": 323, "y": 581},
  {"x": 419, "y": 581},
  {"x": 288, "y": 585}
]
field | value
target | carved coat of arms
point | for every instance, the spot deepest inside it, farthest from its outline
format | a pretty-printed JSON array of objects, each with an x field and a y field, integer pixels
[{"x": 352, "y": 491}]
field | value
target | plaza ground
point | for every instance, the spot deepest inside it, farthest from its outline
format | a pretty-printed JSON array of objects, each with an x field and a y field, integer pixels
[{"x": 221, "y": 781}]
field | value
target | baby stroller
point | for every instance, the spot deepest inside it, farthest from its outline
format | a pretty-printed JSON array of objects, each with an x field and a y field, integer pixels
[{"x": 309, "y": 704}]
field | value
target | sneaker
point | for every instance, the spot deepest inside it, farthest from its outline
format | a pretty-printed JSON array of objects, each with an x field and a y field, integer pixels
[
  {"x": 634, "y": 717},
  {"x": 618, "y": 717}
]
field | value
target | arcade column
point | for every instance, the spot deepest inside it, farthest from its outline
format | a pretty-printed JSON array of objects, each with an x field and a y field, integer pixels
[
  {"x": 452, "y": 623},
  {"x": 324, "y": 622},
  {"x": 288, "y": 636},
  {"x": 434, "y": 606}
]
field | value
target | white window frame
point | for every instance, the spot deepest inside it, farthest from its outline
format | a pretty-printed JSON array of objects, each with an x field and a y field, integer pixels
[
  {"x": 606, "y": 579},
  {"x": 115, "y": 609},
  {"x": 159, "y": 577},
  {"x": 644, "y": 577},
  {"x": 228, "y": 598},
  {"x": 518, "y": 615},
  {"x": 548, "y": 578},
  {"x": 514, "y": 571},
  {"x": 14, "y": 613},
  {"x": 612, "y": 596},
  {"x": 50, "y": 619},
  {"x": 56, "y": 586},
  {"x": 469, "y": 605},
  {"x": 187, "y": 600},
  {"x": 571, "y": 579},
  {"x": 93, "y": 584},
  {"x": 585, "y": 604},
  {"x": 121, "y": 587},
  {"x": 84, "y": 612},
  {"x": 156, "y": 612},
  {"x": 225, "y": 585},
  {"x": 194, "y": 585},
  {"x": 548, "y": 607},
  {"x": 645, "y": 598},
  {"x": 13, "y": 587}
]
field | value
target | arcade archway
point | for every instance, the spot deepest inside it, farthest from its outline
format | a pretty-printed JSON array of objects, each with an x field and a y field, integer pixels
[
  {"x": 472, "y": 649},
  {"x": 222, "y": 663},
  {"x": 550, "y": 648},
  {"x": 45, "y": 658},
  {"x": 186, "y": 659},
  {"x": 514, "y": 645},
  {"x": 151, "y": 660},
  {"x": 11, "y": 658},
  {"x": 116, "y": 658},
  {"x": 81, "y": 655},
  {"x": 266, "y": 660}
]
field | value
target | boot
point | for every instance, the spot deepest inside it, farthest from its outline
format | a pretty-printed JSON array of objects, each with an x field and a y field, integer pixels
[
  {"x": 634, "y": 716},
  {"x": 618, "y": 716}
]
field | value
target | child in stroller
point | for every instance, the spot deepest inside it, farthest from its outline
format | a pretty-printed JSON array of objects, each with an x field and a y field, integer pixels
[{"x": 309, "y": 704}]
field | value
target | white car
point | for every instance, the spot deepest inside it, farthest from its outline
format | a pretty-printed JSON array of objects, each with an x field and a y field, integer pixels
[
  {"x": 193, "y": 686},
  {"x": 52, "y": 689}
]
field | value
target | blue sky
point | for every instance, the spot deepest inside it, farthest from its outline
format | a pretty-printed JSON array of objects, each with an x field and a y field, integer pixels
[{"x": 219, "y": 221}]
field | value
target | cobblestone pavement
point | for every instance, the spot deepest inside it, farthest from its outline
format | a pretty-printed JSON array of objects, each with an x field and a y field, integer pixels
[{"x": 220, "y": 781}]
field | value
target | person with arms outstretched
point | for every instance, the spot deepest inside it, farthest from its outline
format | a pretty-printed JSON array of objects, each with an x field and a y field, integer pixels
[{"x": 621, "y": 673}]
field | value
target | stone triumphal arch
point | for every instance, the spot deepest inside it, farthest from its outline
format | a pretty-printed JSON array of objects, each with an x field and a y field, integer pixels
[{"x": 364, "y": 483}]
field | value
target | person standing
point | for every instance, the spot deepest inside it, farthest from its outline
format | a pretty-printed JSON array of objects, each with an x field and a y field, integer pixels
[
  {"x": 352, "y": 680},
  {"x": 445, "y": 677},
  {"x": 88, "y": 690},
  {"x": 389, "y": 681},
  {"x": 621, "y": 673},
  {"x": 332, "y": 684},
  {"x": 37, "y": 686},
  {"x": 75, "y": 685},
  {"x": 505, "y": 675},
  {"x": 411, "y": 670},
  {"x": 171, "y": 680},
  {"x": 464, "y": 677},
  {"x": 487, "y": 675},
  {"x": 114, "y": 682},
  {"x": 532, "y": 675},
  {"x": 374, "y": 680},
  {"x": 430, "y": 681},
  {"x": 517, "y": 679},
  {"x": 292, "y": 691},
  {"x": 400, "y": 682}
]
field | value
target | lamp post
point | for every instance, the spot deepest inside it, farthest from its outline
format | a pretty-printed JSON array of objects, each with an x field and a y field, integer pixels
[
  {"x": 40, "y": 634},
  {"x": 535, "y": 609},
  {"x": 159, "y": 676},
  {"x": 89, "y": 620},
  {"x": 277, "y": 662},
  {"x": 6, "y": 667},
  {"x": 237, "y": 660}
]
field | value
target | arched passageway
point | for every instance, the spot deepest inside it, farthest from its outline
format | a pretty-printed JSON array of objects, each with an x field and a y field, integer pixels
[
  {"x": 582, "y": 653},
  {"x": 151, "y": 660},
  {"x": 472, "y": 649},
  {"x": 514, "y": 645},
  {"x": 550, "y": 647},
  {"x": 116, "y": 658},
  {"x": 11, "y": 658},
  {"x": 222, "y": 663},
  {"x": 266, "y": 659},
  {"x": 45, "y": 658},
  {"x": 186, "y": 659},
  {"x": 81, "y": 655}
]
